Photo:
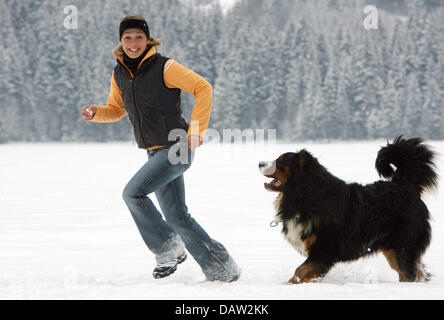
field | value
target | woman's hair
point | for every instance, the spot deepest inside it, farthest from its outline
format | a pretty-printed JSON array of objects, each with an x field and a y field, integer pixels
[{"x": 151, "y": 41}]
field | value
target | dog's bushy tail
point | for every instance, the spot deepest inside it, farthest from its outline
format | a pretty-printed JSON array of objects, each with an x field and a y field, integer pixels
[{"x": 413, "y": 160}]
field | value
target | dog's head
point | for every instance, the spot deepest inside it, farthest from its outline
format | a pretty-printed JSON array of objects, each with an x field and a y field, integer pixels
[{"x": 288, "y": 166}]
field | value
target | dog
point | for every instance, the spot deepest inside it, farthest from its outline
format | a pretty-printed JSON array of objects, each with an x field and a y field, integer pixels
[{"x": 330, "y": 221}]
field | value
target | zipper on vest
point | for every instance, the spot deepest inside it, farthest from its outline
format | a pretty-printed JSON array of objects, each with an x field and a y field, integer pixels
[
  {"x": 132, "y": 79},
  {"x": 137, "y": 110}
]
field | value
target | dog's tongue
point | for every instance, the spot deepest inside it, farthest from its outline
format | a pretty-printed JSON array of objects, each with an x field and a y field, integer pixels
[{"x": 275, "y": 183}]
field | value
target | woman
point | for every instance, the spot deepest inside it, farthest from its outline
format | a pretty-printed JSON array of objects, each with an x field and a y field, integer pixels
[{"x": 147, "y": 86}]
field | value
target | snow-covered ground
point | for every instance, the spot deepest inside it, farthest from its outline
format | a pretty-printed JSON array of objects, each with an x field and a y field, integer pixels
[{"x": 65, "y": 232}]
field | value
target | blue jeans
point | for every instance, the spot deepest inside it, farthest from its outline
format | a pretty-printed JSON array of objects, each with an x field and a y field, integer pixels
[{"x": 167, "y": 238}]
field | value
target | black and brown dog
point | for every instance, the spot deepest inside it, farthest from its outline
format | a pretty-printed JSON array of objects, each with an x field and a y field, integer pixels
[{"x": 330, "y": 221}]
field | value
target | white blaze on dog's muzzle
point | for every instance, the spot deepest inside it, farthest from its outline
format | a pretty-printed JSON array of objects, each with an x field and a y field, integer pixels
[{"x": 267, "y": 167}]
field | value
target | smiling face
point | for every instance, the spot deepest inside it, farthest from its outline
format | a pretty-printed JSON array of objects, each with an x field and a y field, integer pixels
[
  {"x": 134, "y": 42},
  {"x": 278, "y": 170}
]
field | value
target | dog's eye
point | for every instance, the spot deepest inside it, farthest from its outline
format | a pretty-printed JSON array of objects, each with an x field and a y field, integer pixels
[{"x": 281, "y": 164}]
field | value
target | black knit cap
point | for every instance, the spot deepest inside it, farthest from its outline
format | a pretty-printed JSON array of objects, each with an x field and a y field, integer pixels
[{"x": 134, "y": 23}]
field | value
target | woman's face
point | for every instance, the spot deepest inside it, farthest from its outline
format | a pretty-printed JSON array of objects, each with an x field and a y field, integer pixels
[{"x": 134, "y": 42}]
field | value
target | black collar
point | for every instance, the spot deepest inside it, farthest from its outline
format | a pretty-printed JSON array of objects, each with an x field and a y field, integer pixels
[{"x": 133, "y": 64}]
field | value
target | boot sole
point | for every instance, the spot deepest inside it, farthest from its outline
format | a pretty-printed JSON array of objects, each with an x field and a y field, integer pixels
[{"x": 170, "y": 271}]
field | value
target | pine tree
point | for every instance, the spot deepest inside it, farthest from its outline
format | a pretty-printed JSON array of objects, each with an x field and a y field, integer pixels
[
  {"x": 231, "y": 91},
  {"x": 414, "y": 107},
  {"x": 433, "y": 108},
  {"x": 14, "y": 102},
  {"x": 382, "y": 121},
  {"x": 336, "y": 102},
  {"x": 358, "y": 108}
]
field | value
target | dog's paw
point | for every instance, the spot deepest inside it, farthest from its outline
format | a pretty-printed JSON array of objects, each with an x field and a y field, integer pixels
[{"x": 295, "y": 280}]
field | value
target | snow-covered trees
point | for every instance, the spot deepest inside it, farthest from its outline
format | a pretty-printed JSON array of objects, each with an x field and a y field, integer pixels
[{"x": 308, "y": 69}]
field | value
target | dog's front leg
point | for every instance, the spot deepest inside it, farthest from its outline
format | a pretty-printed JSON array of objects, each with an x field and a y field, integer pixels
[{"x": 309, "y": 270}]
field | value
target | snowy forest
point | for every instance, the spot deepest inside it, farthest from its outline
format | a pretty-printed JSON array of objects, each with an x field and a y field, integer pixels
[{"x": 309, "y": 69}]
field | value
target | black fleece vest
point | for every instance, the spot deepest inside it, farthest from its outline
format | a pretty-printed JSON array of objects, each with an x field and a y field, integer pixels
[{"x": 153, "y": 108}]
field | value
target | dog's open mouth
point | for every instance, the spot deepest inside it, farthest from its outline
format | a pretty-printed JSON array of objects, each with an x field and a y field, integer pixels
[{"x": 275, "y": 185}]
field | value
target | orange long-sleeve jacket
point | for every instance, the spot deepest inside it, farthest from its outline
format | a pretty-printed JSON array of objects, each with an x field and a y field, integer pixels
[{"x": 175, "y": 75}]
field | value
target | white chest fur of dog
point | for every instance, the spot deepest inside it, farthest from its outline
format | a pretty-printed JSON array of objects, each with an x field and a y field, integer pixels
[
  {"x": 294, "y": 234},
  {"x": 295, "y": 230}
]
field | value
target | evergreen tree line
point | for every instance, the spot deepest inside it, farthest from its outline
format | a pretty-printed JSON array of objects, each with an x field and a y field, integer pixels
[{"x": 306, "y": 68}]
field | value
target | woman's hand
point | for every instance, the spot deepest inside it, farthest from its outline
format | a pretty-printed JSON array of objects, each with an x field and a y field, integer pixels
[
  {"x": 194, "y": 141},
  {"x": 88, "y": 112}
]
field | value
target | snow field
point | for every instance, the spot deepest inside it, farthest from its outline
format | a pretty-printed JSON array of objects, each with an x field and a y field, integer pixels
[{"x": 65, "y": 232}]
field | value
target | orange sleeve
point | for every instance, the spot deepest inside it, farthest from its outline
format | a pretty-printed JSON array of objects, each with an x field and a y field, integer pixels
[
  {"x": 114, "y": 109},
  {"x": 177, "y": 76}
]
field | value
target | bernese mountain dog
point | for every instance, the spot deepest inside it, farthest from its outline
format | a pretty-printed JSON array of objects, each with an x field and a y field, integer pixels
[{"x": 330, "y": 221}]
